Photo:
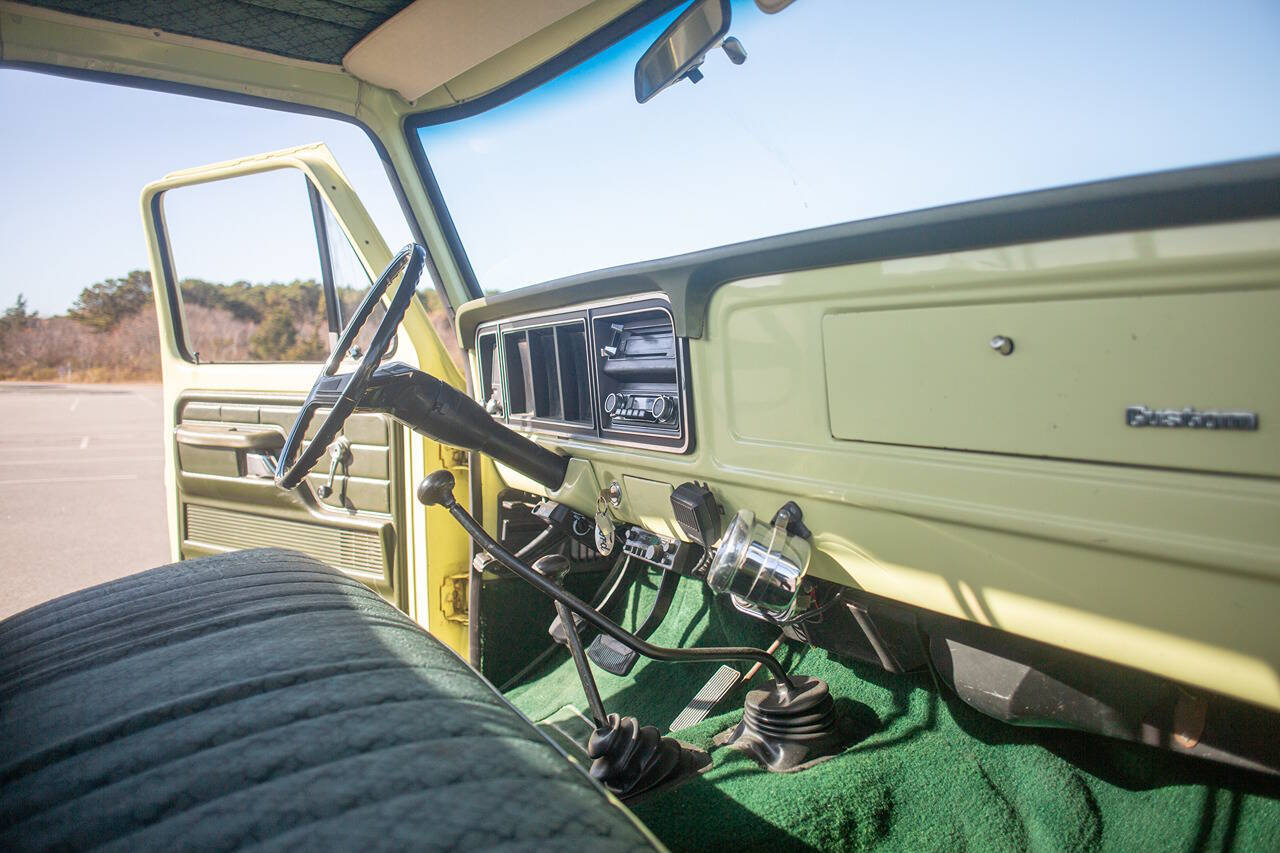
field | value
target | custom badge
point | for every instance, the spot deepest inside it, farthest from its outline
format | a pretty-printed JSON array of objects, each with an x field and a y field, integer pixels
[{"x": 1189, "y": 418}]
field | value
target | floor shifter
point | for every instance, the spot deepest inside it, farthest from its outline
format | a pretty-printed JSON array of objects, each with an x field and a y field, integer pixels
[
  {"x": 626, "y": 757},
  {"x": 791, "y": 723}
]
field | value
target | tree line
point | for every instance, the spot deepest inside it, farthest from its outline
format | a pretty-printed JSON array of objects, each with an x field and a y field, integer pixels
[{"x": 110, "y": 332}]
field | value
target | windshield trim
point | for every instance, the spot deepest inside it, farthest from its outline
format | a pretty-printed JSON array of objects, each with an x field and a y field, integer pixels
[{"x": 603, "y": 38}]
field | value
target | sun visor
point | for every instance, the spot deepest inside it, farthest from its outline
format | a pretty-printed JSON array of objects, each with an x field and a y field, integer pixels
[{"x": 432, "y": 41}]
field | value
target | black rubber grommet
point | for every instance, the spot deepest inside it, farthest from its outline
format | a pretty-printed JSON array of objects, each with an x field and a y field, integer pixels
[{"x": 783, "y": 729}]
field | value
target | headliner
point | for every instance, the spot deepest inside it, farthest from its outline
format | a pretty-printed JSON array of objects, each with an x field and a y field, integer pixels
[{"x": 315, "y": 30}]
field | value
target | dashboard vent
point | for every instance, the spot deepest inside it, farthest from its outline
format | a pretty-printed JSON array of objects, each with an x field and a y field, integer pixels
[{"x": 547, "y": 373}]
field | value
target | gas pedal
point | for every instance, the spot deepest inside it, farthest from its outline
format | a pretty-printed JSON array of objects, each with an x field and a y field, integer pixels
[
  {"x": 711, "y": 694},
  {"x": 611, "y": 655}
]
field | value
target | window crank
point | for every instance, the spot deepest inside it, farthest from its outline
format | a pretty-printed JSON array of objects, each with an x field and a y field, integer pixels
[{"x": 339, "y": 454}]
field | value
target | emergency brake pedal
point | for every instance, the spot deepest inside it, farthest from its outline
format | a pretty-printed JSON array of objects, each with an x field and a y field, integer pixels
[{"x": 611, "y": 655}]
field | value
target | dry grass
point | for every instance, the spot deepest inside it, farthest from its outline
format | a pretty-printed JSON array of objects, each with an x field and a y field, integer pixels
[{"x": 61, "y": 349}]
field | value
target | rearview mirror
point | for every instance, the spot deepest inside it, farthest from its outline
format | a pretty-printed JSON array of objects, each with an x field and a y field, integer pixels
[{"x": 680, "y": 49}]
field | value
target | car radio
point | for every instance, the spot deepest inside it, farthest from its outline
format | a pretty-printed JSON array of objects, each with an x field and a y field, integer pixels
[
  {"x": 639, "y": 375},
  {"x": 641, "y": 408}
]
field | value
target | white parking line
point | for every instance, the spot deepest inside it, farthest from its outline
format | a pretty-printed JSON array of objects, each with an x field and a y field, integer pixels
[
  {"x": 97, "y": 434},
  {"x": 76, "y": 460},
  {"x": 74, "y": 403},
  {"x": 84, "y": 442},
  {"x": 98, "y": 446},
  {"x": 34, "y": 481}
]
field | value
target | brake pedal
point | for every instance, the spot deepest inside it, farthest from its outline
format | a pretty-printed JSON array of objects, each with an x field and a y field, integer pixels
[
  {"x": 612, "y": 656},
  {"x": 615, "y": 657},
  {"x": 616, "y": 584},
  {"x": 712, "y": 693}
]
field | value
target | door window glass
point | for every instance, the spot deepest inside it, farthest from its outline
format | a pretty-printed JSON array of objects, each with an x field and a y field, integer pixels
[{"x": 247, "y": 260}]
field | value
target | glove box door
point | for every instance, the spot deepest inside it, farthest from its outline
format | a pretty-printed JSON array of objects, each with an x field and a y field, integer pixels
[{"x": 1081, "y": 379}]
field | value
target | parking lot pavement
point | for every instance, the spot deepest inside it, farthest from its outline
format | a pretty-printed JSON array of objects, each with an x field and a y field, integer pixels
[{"x": 81, "y": 488}]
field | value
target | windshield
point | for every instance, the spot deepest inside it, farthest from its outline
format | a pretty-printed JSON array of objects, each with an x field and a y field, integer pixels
[{"x": 844, "y": 111}]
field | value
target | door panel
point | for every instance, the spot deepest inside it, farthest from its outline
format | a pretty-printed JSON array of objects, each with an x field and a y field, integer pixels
[{"x": 226, "y": 502}]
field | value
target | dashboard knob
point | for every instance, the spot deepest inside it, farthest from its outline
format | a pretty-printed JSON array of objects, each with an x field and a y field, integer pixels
[
  {"x": 664, "y": 408},
  {"x": 612, "y": 404}
]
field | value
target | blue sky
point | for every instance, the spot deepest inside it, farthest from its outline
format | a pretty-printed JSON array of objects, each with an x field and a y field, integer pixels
[
  {"x": 843, "y": 110},
  {"x": 75, "y": 155},
  {"x": 849, "y": 110}
]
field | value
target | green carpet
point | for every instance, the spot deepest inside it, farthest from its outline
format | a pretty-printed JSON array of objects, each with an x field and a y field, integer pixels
[{"x": 933, "y": 774}]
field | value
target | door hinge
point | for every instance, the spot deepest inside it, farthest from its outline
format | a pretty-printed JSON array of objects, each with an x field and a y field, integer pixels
[
  {"x": 452, "y": 457},
  {"x": 453, "y": 597}
]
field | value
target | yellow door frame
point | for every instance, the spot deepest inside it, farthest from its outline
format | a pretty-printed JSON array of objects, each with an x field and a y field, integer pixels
[{"x": 433, "y": 548}]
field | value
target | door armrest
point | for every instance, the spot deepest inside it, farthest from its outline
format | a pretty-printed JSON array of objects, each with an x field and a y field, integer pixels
[{"x": 230, "y": 437}]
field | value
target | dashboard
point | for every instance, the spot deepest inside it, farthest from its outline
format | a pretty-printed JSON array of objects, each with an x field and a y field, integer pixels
[{"x": 854, "y": 370}]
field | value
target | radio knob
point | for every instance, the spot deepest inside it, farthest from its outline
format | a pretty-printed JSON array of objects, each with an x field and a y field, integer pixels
[
  {"x": 612, "y": 404},
  {"x": 664, "y": 408}
]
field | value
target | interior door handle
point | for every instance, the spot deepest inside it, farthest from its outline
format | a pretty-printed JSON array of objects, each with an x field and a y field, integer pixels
[{"x": 238, "y": 437}]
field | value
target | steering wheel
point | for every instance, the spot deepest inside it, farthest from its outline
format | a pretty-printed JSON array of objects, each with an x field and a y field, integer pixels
[{"x": 341, "y": 392}]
